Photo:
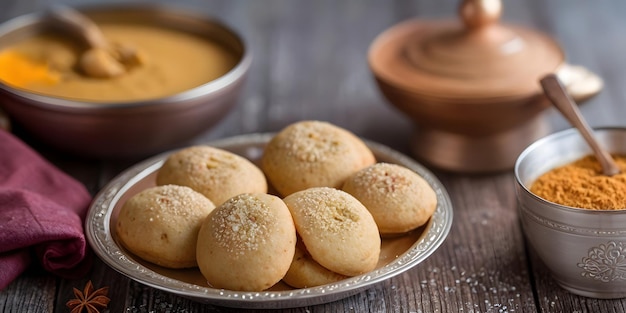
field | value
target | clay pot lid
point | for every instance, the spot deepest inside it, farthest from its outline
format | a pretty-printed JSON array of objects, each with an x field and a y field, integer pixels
[{"x": 476, "y": 57}]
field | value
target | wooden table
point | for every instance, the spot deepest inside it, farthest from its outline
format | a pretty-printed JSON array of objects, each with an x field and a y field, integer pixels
[{"x": 310, "y": 63}]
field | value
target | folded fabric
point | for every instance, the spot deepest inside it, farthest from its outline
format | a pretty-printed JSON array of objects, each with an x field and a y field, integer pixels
[{"x": 41, "y": 215}]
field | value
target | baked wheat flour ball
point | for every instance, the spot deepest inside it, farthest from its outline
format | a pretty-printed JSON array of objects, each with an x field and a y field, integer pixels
[
  {"x": 313, "y": 154},
  {"x": 336, "y": 229},
  {"x": 160, "y": 224},
  {"x": 247, "y": 243},
  {"x": 399, "y": 199},
  {"x": 305, "y": 272},
  {"x": 218, "y": 174}
]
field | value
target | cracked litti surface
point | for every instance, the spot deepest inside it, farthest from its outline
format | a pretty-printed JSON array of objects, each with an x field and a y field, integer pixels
[
  {"x": 160, "y": 224},
  {"x": 313, "y": 154},
  {"x": 247, "y": 243},
  {"x": 337, "y": 230},
  {"x": 218, "y": 174},
  {"x": 399, "y": 199}
]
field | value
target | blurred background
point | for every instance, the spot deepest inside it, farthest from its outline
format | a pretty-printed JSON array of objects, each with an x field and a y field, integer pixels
[{"x": 298, "y": 45}]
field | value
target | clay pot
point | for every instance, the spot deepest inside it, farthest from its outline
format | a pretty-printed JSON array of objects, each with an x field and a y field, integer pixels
[{"x": 471, "y": 85}]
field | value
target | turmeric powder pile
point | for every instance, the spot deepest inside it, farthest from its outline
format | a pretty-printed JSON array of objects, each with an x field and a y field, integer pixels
[
  {"x": 20, "y": 71},
  {"x": 581, "y": 184}
]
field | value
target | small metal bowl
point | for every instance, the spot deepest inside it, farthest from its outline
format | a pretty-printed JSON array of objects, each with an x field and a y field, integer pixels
[
  {"x": 585, "y": 250},
  {"x": 127, "y": 129}
]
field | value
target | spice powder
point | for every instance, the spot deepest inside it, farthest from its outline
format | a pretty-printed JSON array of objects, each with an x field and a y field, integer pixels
[{"x": 581, "y": 184}]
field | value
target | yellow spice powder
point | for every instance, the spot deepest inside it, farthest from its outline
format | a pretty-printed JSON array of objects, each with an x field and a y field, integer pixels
[
  {"x": 581, "y": 184},
  {"x": 18, "y": 70}
]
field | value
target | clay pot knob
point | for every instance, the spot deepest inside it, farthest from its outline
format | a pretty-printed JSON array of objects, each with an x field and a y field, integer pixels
[{"x": 480, "y": 13}]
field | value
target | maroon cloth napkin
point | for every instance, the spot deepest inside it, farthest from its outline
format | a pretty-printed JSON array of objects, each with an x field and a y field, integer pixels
[{"x": 41, "y": 215}]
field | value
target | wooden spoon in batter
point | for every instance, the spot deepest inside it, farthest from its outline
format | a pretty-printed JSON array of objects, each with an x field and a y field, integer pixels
[{"x": 102, "y": 59}]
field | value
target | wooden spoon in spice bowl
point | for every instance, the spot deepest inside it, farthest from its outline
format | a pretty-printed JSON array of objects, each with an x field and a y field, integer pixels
[
  {"x": 103, "y": 59},
  {"x": 555, "y": 92}
]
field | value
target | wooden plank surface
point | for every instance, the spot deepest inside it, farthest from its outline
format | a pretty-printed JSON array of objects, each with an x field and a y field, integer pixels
[{"x": 310, "y": 63}]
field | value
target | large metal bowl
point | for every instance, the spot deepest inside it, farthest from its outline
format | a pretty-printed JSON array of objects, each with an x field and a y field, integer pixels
[
  {"x": 127, "y": 129},
  {"x": 585, "y": 250}
]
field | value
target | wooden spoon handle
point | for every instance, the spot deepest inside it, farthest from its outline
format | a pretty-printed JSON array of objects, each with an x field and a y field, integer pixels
[
  {"x": 81, "y": 25},
  {"x": 555, "y": 91}
]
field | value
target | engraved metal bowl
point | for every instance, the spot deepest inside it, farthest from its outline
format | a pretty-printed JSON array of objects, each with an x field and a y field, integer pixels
[
  {"x": 398, "y": 254},
  {"x": 585, "y": 250},
  {"x": 131, "y": 128}
]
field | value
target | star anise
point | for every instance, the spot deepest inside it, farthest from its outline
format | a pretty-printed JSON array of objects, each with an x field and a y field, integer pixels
[{"x": 89, "y": 301}]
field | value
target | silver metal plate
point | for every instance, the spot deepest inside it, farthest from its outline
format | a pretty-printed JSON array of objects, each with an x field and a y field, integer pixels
[{"x": 398, "y": 254}]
